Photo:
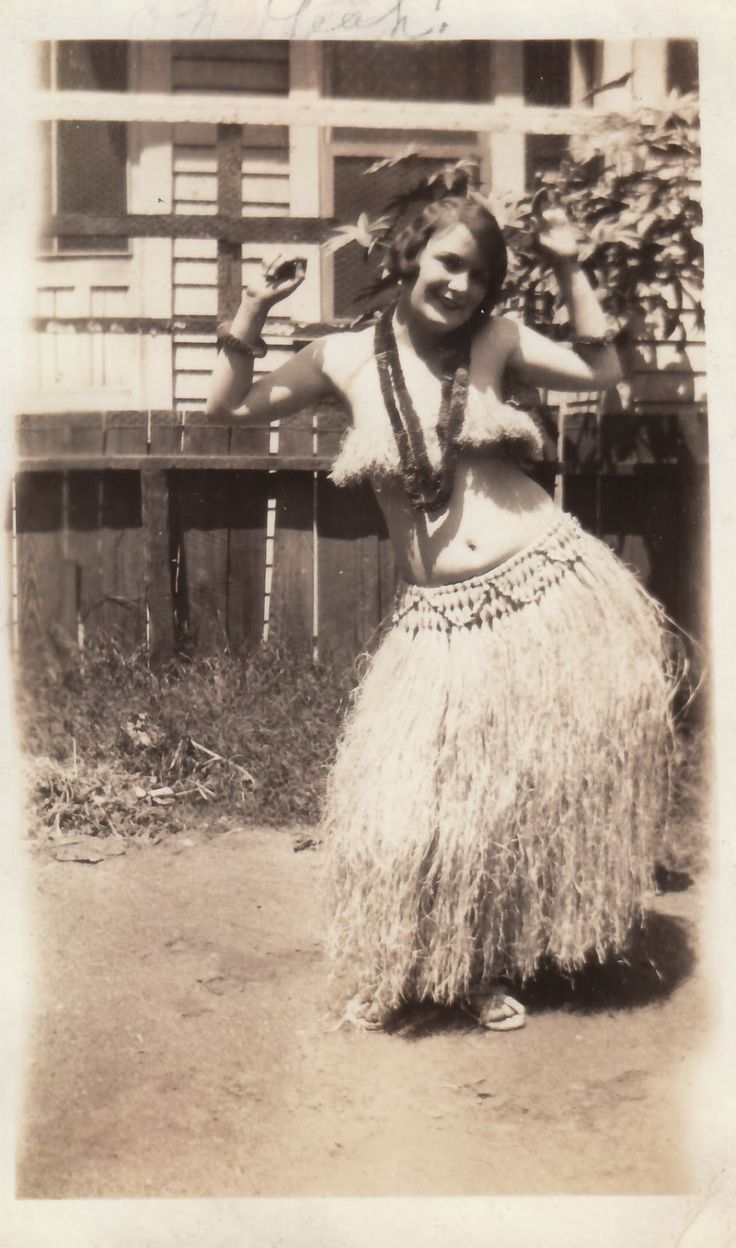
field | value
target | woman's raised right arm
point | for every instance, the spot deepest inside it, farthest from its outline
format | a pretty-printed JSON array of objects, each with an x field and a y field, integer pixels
[{"x": 289, "y": 388}]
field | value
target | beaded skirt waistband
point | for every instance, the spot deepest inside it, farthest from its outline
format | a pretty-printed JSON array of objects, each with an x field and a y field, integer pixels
[{"x": 521, "y": 579}]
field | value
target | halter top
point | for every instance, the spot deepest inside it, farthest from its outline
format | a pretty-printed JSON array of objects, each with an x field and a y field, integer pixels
[{"x": 368, "y": 446}]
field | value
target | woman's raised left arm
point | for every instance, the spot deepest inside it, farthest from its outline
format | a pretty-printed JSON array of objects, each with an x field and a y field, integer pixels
[{"x": 593, "y": 363}]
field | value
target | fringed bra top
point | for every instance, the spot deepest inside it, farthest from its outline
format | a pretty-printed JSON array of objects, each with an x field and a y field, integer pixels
[
  {"x": 368, "y": 447},
  {"x": 371, "y": 451}
]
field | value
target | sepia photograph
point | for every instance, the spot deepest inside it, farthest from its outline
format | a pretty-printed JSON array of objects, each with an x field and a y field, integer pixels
[{"x": 358, "y": 613}]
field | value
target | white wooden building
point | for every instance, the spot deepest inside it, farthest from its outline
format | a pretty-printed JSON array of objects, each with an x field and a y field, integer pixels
[{"x": 132, "y": 128}]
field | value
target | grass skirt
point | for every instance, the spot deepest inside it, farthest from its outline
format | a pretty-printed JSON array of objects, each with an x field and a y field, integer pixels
[{"x": 502, "y": 776}]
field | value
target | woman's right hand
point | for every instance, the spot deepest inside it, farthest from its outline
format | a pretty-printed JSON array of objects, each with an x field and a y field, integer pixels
[{"x": 278, "y": 279}]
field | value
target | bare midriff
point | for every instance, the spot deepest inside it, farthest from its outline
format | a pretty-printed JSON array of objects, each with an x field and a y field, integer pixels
[{"x": 494, "y": 512}]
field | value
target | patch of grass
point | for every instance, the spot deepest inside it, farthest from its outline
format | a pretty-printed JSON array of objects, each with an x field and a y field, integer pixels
[{"x": 112, "y": 745}]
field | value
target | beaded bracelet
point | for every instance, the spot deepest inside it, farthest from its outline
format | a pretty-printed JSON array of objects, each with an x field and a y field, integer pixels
[
  {"x": 595, "y": 340},
  {"x": 228, "y": 342}
]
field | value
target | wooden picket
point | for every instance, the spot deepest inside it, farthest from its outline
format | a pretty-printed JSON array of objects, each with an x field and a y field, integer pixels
[
  {"x": 248, "y": 502},
  {"x": 43, "y": 585},
  {"x": 356, "y": 574}
]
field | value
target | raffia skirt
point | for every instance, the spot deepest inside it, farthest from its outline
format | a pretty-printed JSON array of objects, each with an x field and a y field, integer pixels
[{"x": 502, "y": 776}]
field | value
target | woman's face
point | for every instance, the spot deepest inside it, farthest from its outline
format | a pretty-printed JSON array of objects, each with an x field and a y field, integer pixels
[{"x": 451, "y": 280}]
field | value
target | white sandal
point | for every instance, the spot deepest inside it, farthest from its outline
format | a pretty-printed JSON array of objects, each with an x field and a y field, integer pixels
[
  {"x": 495, "y": 1011},
  {"x": 365, "y": 1015}
]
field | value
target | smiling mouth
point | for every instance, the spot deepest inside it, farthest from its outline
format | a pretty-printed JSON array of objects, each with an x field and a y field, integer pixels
[{"x": 450, "y": 304}]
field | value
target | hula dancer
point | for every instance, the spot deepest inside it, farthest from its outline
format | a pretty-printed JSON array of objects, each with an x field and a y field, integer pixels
[{"x": 501, "y": 777}]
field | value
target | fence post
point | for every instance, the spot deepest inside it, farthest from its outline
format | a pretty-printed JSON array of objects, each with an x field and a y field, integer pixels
[{"x": 157, "y": 538}]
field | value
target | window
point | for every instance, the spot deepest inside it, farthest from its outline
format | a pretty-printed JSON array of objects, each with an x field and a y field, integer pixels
[
  {"x": 541, "y": 153},
  {"x": 231, "y": 66},
  {"x": 409, "y": 71},
  {"x": 682, "y": 65},
  {"x": 547, "y": 72},
  {"x": 547, "y": 78},
  {"x": 85, "y": 162}
]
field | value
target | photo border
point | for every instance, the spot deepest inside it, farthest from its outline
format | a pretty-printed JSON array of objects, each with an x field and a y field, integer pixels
[{"x": 708, "y": 1216}]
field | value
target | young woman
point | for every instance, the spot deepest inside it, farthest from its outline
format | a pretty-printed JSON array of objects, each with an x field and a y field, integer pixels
[{"x": 501, "y": 775}]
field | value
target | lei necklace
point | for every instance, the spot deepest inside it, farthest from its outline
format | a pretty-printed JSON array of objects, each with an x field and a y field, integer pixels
[{"x": 429, "y": 489}]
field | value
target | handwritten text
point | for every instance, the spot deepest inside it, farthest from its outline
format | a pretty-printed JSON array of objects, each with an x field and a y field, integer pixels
[{"x": 393, "y": 19}]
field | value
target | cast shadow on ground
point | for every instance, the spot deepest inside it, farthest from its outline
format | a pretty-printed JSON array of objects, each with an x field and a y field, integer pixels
[{"x": 658, "y": 958}]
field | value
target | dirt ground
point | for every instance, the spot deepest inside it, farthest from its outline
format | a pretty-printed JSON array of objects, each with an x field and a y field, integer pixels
[{"x": 181, "y": 1046}]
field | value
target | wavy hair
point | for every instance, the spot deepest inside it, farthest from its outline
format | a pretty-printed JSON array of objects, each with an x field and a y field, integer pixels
[{"x": 402, "y": 260}]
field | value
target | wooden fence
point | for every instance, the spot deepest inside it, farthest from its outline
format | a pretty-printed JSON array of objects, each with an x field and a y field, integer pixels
[{"x": 164, "y": 529}]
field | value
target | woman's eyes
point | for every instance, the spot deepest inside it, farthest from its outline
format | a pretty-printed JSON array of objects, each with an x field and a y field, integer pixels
[{"x": 455, "y": 265}]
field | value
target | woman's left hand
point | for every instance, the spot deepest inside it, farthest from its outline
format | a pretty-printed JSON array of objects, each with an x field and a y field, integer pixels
[{"x": 556, "y": 236}]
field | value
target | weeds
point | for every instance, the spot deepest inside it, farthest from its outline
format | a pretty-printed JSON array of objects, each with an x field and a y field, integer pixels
[{"x": 114, "y": 747}]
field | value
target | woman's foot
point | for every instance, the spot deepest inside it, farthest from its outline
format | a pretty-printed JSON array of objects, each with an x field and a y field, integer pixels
[
  {"x": 495, "y": 1010},
  {"x": 365, "y": 1015}
]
